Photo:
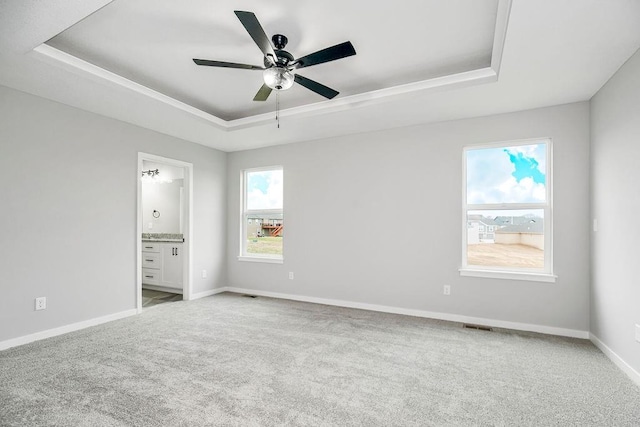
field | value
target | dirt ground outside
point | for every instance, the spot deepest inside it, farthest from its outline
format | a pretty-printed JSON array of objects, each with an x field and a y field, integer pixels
[{"x": 501, "y": 255}]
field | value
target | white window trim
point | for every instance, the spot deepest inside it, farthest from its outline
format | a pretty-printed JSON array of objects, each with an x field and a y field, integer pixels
[
  {"x": 244, "y": 256},
  {"x": 267, "y": 260},
  {"x": 538, "y": 275},
  {"x": 508, "y": 275}
]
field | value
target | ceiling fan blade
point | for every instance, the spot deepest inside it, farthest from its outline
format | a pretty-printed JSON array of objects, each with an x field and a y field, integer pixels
[
  {"x": 332, "y": 53},
  {"x": 318, "y": 88},
  {"x": 263, "y": 93},
  {"x": 226, "y": 64},
  {"x": 255, "y": 30}
]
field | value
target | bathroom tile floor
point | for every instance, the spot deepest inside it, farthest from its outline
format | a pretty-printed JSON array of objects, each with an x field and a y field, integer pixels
[{"x": 151, "y": 298}]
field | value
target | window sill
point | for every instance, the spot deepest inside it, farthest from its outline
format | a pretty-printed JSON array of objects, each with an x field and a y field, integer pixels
[
  {"x": 261, "y": 259},
  {"x": 509, "y": 275}
]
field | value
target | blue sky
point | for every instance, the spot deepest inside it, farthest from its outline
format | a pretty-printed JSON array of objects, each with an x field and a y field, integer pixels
[
  {"x": 525, "y": 167},
  {"x": 264, "y": 189},
  {"x": 507, "y": 175}
]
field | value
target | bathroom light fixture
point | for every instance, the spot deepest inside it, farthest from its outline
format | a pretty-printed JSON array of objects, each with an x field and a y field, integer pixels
[{"x": 153, "y": 176}]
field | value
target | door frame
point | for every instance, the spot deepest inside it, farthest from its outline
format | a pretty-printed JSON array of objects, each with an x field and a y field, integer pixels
[{"x": 187, "y": 231}]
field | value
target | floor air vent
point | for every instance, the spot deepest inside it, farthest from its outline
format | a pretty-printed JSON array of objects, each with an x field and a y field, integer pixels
[{"x": 478, "y": 327}]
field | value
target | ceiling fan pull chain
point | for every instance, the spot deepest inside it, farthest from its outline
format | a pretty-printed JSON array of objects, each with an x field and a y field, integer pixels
[{"x": 278, "y": 108}]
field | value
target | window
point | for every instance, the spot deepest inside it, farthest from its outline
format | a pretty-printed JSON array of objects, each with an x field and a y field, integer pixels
[
  {"x": 262, "y": 228},
  {"x": 507, "y": 191}
]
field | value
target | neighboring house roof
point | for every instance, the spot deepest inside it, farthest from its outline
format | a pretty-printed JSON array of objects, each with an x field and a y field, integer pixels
[
  {"x": 511, "y": 224},
  {"x": 483, "y": 219},
  {"x": 514, "y": 220},
  {"x": 534, "y": 226},
  {"x": 277, "y": 217}
]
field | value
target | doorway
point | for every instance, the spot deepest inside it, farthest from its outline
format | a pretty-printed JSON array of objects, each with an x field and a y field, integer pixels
[{"x": 163, "y": 231}]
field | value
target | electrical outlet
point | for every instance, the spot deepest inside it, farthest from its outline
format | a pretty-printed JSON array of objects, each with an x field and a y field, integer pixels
[
  {"x": 637, "y": 332},
  {"x": 291, "y": 275},
  {"x": 41, "y": 303},
  {"x": 204, "y": 274},
  {"x": 595, "y": 225},
  {"x": 447, "y": 290}
]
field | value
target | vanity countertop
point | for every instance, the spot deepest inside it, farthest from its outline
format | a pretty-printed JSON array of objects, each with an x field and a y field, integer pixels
[{"x": 163, "y": 237}]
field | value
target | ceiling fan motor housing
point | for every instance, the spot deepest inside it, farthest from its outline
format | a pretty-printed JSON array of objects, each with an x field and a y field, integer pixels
[
  {"x": 282, "y": 59},
  {"x": 279, "y": 41},
  {"x": 282, "y": 56}
]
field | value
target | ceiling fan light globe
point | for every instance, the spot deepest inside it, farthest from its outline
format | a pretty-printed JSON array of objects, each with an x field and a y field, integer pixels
[{"x": 278, "y": 78}]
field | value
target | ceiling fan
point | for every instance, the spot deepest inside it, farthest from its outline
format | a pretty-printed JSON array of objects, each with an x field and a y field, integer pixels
[{"x": 279, "y": 71}]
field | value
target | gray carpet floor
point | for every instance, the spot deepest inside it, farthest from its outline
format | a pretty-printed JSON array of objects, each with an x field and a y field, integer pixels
[{"x": 238, "y": 361}]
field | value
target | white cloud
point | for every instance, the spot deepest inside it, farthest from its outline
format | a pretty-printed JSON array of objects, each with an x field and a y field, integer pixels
[
  {"x": 272, "y": 198},
  {"x": 525, "y": 191}
]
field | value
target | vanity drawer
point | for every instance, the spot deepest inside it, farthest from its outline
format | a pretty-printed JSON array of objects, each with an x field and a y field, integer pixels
[
  {"x": 150, "y": 260},
  {"x": 150, "y": 277},
  {"x": 150, "y": 247}
]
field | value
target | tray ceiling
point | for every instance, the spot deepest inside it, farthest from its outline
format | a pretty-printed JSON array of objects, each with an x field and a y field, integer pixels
[{"x": 152, "y": 43}]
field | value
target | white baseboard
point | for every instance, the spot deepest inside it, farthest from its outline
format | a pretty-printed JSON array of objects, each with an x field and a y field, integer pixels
[
  {"x": 617, "y": 360},
  {"x": 208, "y": 293},
  {"x": 65, "y": 329},
  {"x": 550, "y": 330}
]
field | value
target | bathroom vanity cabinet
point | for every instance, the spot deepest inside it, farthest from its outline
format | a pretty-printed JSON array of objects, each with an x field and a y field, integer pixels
[{"x": 162, "y": 265}]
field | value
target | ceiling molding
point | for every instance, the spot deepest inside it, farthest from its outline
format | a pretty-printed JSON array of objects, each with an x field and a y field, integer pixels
[
  {"x": 499, "y": 37},
  {"x": 56, "y": 57},
  {"x": 83, "y": 68},
  {"x": 459, "y": 80}
]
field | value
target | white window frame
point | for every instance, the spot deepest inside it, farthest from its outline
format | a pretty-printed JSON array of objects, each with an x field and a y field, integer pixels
[
  {"x": 244, "y": 213},
  {"x": 541, "y": 275}
]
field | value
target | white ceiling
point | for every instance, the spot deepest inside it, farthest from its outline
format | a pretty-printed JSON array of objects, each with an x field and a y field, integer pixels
[{"x": 131, "y": 60}]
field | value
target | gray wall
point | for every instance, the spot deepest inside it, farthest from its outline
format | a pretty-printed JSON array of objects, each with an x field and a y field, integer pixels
[
  {"x": 341, "y": 193},
  {"x": 615, "y": 146},
  {"x": 68, "y": 212}
]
